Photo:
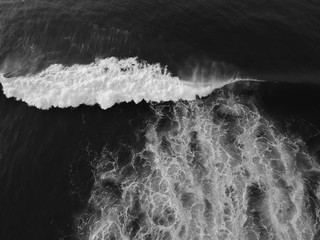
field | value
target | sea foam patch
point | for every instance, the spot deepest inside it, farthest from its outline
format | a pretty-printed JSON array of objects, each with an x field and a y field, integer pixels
[{"x": 104, "y": 82}]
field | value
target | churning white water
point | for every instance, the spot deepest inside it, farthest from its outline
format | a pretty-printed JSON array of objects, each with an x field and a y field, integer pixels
[
  {"x": 217, "y": 170},
  {"x": 104, "y": 82}
]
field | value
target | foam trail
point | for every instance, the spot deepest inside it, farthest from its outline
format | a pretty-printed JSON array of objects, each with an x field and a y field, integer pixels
[
  {"x": 209, "y": 170},
  {"x": 104, "y": 82}
]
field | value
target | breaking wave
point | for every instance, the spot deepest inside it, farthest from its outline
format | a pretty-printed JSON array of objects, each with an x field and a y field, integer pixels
[{"x": 104, "y": 82}]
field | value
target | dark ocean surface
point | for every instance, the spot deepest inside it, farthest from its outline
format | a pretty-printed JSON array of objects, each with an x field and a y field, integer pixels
[
  {"x": 266, "y": 38},
  {"x": 240, "y": 163}
]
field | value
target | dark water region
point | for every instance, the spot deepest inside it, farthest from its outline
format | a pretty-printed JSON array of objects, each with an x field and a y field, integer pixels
[
  {"x": 266, "y": 39},
  {"x": 48, "y": 158}
]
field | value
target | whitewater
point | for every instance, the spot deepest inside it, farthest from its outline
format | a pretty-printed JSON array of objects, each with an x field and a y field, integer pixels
[
  {"x": 105, "y": 82},
  {"x": 217, "y": 170}
]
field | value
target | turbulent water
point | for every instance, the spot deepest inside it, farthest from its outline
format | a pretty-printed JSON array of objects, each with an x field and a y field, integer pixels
[
  {"x": 159, "y": 120},
  {"x": 210, "y": 169},
  {"x": 106, "y": 82}
]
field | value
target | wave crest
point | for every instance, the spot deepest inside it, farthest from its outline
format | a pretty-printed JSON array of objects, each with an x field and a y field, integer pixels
[{"x": 104, "y": 82}]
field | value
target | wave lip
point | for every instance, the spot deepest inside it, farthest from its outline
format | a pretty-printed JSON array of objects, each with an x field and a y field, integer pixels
[{"x": 104, "y": 82}]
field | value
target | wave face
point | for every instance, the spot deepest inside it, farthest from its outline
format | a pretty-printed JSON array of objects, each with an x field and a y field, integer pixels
[
  {"x": 210, "y": 169},
  {"x": 104, "y": 82},
  {"x": 259, "y": 38}
]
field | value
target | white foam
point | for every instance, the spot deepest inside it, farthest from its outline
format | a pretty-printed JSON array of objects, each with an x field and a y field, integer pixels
[
  {"x": 104, "y": 82},
  {"x": 205, "y": 177}
]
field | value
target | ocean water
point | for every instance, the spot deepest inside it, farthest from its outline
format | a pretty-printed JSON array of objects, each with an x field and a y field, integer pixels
[{"x": 159, "y": 120}]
